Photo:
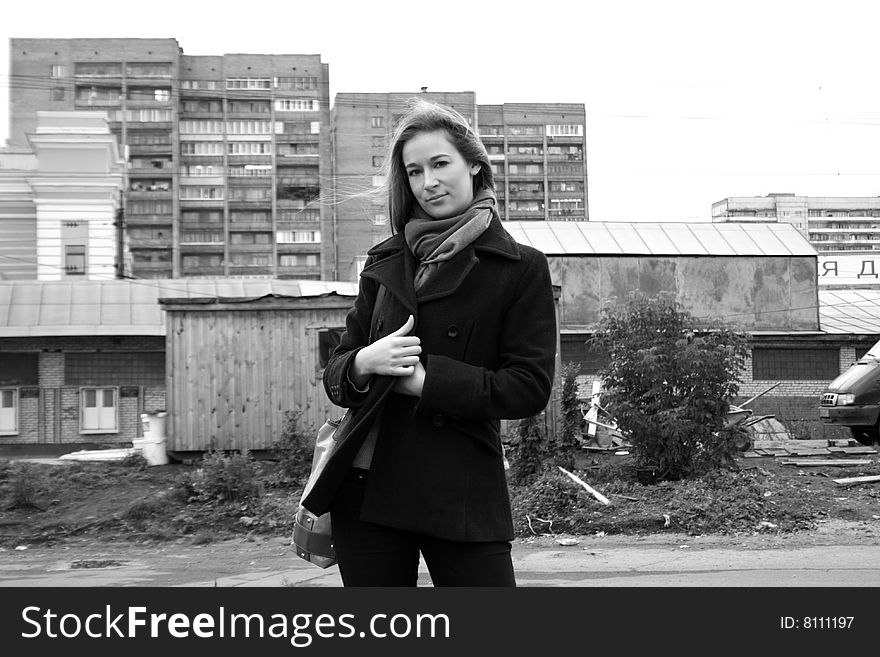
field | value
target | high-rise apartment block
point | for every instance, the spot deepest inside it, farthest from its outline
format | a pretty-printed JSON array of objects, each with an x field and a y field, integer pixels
[
  {"x": 831, "y": 224},
  {"x": 538, "y": 155},
  {"x": 236, "y": 165},
  {"x": 225, "y": 154}
]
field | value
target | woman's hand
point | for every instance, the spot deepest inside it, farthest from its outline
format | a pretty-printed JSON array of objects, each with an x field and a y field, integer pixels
[
  {"x": 397, "y": 354},
  {"x": 412, "y": 384}
]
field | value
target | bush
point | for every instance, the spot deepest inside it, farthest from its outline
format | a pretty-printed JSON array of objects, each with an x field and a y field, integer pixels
[
  {"x": 572, "y": 421},
  {"x": 25, "y": 482},
  {"x": 295, "y": 447},
  {"x": 668, "y": 383},
  {"x": 528, "y": 449}
]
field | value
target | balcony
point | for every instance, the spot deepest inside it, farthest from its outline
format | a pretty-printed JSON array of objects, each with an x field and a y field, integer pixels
[
  {"x": 300, "y": 271},
  {"x": 149, "y": 220},
  {"x": 193, "y": 272}
]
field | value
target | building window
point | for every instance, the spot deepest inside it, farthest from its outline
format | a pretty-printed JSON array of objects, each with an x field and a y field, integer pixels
[
  {"x": 57, "y": 93},
  {"x": 98, "y": 410},
  {"x": 377, "y": 160},
  {"x": 328, "y": 339},
  {"x": 75, "y": 259},
  {"x": 128, "y": 368},
  {"x": 298, "y": 260},
  {"x": 795, "y": 364},
  {"x": 299, "y": 236},
  {"x": 380, "y": 219},
  {"x": 201, "y": 237},
  {"x": 8, "y": 411},
  {"x": 58, "y": 71},
  {"x": 377, "y": 121},
  {"x": 298, "y": 83},
  {"x": 296, "y": 105},
  {"x": 149, "y": 70},
  {"x": 565, "y": 130},
  {"x": 98, "y": 70},
  {"x": 377, "y": 142},
  {"x": 576, "y": 349},
  {"x": 249, "y": 83}
]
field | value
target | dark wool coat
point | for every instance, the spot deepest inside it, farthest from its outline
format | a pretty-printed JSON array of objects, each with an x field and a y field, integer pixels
[{"x": 488, "y": 335}]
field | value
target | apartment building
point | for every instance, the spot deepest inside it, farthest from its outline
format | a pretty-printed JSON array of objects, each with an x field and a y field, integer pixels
[
  {"x": 538, "y": 155},
  {"x": 225, "y": 154},
  {"x": 831, "y": 224}
]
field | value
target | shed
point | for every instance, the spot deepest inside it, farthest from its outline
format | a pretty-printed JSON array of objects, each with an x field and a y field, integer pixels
[{"x": 239, "y": 360}]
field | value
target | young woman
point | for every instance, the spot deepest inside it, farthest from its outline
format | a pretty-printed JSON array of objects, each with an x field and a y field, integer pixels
[{"x": 464, "y": 336}]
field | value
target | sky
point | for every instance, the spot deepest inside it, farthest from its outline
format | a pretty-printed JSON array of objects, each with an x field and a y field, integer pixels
[{"x": 687, "y": 102}]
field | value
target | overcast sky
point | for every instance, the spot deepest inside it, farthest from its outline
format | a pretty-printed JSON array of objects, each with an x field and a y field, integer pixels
[{"x": 687, "y": 102}]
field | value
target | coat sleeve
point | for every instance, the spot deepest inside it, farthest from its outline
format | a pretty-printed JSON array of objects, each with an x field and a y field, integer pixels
[
  {"x": 336, "y": 381},
  {"x": 520, "y": 386}
]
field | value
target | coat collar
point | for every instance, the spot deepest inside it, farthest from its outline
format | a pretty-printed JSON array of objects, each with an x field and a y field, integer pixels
[{"x": 394, "y": 264}]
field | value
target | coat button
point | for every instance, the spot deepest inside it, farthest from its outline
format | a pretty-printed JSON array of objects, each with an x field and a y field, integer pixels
[
  {"x": 452, "y": 331},
  {"x": 438, "y": 420}
]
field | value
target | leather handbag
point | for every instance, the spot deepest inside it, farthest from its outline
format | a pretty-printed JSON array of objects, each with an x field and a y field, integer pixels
[{"x": 313, "y": 535}]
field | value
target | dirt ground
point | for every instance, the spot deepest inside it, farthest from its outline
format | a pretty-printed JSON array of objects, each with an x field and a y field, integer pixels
[{"x": 82, "y": 503}]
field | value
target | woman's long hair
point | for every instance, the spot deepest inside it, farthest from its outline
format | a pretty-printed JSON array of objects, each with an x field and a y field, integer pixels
[{"x": 425, "y": 116}]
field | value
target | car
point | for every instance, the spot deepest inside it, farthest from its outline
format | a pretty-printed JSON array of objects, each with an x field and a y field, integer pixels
[{"x": 853, "y": 399}]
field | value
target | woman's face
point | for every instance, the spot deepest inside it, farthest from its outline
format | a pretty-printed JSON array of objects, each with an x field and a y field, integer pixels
[{"x": 439, "y": 177}]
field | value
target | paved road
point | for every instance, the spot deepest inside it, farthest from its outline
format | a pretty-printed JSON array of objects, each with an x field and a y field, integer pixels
[{"x": 841, "y": 557}]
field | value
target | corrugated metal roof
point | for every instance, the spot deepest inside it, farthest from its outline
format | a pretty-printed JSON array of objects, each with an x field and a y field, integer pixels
[
  {"x": 660, "y": 238},
  {"x": 849, "y": 311},
  {"x": 128, "y": 307}
]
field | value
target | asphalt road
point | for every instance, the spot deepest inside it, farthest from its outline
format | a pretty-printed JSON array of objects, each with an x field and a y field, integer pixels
[{"x": 838, "y": 554}]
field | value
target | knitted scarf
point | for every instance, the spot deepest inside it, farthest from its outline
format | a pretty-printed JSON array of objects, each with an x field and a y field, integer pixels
[{"x": 434, "y": 241}]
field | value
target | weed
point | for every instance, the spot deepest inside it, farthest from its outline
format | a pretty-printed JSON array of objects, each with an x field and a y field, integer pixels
[
  {"x": 135, "y": 461},
  {"x": 145, "y": 507},
  {"x": 25, "y": 483},
  {"x": 230, "y": 477}
]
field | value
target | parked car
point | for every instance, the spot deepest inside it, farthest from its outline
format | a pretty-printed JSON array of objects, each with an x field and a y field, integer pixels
[{"x": 853, "y": 399}]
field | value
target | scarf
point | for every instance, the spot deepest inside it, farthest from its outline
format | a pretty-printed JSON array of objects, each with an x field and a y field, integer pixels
[{"x": 434, "y": 241}]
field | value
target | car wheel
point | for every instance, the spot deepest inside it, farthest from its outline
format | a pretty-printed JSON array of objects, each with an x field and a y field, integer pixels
[{"x": 865, "y": 435}]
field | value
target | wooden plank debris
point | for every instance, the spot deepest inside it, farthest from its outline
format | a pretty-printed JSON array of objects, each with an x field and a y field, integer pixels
[
  {"x": 599, "y": 496},
  {"x": 806, "y": 463},
  {"x": 846, "y": 481}
]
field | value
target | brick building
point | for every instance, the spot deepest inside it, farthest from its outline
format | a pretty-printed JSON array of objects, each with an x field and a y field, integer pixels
[{"x": 79, "y": 362}]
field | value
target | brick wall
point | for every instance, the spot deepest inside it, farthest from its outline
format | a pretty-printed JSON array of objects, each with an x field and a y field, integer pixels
[{"x": 50, "y": 413}]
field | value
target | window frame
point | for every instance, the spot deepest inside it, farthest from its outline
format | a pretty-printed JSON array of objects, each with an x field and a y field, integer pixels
[
  {"x": 16, "y": 410},
  {"x": 82, "y": 406}
]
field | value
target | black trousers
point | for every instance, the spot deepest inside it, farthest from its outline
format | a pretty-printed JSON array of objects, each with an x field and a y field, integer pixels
[{"x": 374, "y": 555}]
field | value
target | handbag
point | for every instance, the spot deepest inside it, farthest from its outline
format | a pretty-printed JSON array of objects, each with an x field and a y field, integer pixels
[{"x": 313, "y": 535}]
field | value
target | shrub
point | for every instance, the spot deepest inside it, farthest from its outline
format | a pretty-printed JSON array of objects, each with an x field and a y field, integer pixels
[
  {"x": 295, "y": 447},
  {"x": 24, "y": 485},
  {"x": 528, "y": 449},
  {"x": 572, "y": 420},
  {"x": 668, "y": 382}
]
